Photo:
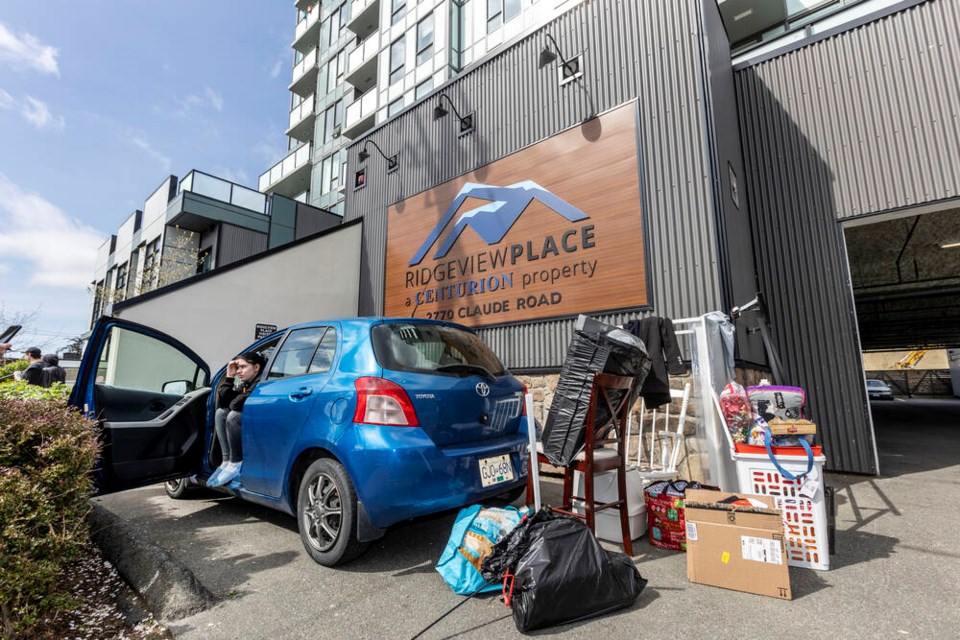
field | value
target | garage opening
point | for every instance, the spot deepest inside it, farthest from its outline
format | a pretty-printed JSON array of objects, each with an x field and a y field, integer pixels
[{"x": 905, "y": 275}]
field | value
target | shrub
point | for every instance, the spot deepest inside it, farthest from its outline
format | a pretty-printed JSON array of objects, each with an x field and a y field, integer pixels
[
  {"x": 46, "y": 453},
  {"x": 7, "y": 370}
]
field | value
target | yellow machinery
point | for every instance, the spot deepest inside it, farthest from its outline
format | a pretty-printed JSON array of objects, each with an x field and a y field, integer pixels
[{"x": 910, "y": 360}]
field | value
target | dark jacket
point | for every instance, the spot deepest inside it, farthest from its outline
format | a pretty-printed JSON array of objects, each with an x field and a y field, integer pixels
[
  {"x": 53, "y": 373},
  {"x": 230, "y": 397},
  {"x": 660, "y": 339},
  {"x": 33, "y": 374}
]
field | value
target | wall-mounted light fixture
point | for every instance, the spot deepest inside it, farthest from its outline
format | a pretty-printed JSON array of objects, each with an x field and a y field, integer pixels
[
  {"x": 466, "y": 122},
  {"x": 391, "y": 160},
  {"x": 569, "y": 70}
]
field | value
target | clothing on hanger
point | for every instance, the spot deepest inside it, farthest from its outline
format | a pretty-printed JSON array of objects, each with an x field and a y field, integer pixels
[{"x": 660, "y": 338}]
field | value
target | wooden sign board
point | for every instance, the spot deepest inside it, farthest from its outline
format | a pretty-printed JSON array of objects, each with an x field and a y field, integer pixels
[{"x": 552, "y": 230}]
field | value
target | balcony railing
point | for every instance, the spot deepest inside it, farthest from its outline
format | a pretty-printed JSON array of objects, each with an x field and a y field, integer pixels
[
  {"x": 307, "y": 25},
  {"x": 364, "y": 17},
  {"x": 306, "y": 68},
  {"x": 362, "y": 63},
  {"x": 360, "y": 114},
  {"x": 212, "y": 187},
  {"x": 297, "y": 158},
  {"x": 302, "y": 110}
]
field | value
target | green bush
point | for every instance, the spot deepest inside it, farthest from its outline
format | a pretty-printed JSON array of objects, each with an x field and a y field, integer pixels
[
  {"x": 7, "y": 370},
  {"x": 46, "y": 453}
]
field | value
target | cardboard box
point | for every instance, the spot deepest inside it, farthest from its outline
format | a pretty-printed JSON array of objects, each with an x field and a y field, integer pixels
[
  {"x": 736, "y": 547},
  {"x": 792, "y": 427}
]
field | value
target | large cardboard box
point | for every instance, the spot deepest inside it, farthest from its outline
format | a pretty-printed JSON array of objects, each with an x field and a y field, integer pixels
[{"x": 736, "y": 547}]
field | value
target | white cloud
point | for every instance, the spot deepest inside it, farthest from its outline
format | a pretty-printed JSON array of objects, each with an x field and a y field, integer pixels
[
  {"x": 238, "y": 176},
  {"x": 37, "y": 113},
  {"x": 59, "y": 250},
  {"x": 276, "y": 68},
  {"x": 164, "y": 161},
  {"x": 6, "y": 100},
  {"x": 195, "y": 101},
  {"x": 27, "y": 52},
  {"x": 215, "y": 99}
]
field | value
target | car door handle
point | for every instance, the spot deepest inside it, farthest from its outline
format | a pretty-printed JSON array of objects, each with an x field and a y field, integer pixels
[{"x": 301, "y": 393}]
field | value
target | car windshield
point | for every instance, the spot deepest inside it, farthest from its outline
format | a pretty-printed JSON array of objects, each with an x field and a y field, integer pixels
[
  {"x": 876, "y": 384},
  {"x": 433, "y": 348}
]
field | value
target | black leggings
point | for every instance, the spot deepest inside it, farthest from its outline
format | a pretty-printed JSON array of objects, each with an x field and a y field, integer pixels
[{"x": 233, "y": 436}]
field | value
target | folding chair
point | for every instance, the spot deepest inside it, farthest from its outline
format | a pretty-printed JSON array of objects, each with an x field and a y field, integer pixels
[{"x": 659, "y": 444}]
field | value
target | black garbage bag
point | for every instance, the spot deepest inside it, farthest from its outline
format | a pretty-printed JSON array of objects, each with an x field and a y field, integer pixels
[
  {"x": 560, "y": 572},
  {"x": 596, "y": 347}
]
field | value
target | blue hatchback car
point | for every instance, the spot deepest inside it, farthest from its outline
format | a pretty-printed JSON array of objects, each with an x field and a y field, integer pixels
[{"x": 355, "y": 424}]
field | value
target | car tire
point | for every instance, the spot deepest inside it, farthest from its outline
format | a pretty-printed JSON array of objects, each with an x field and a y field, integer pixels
[
  {"x": 327, "y": 514},
  {"x": 178, "y": 488}
]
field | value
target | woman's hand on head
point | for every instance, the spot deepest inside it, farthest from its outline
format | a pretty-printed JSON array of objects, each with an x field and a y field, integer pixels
[{"x": 232, "y": 369}]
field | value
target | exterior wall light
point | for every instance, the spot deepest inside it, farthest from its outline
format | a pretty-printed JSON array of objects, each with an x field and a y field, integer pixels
[
  {"x": 391, "y": 160},
  {"x": 466, "y": 122},
  {"x": 569, "y": 70}
]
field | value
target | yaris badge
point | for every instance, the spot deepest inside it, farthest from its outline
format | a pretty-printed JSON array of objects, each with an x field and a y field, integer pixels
[{"x": 483, "y": 389}]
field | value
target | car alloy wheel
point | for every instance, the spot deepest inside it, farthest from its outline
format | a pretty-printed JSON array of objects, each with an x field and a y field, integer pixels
[
  {"x": 327, "y": 513},
  {"x": 323, "y": 512},
  {"x": 177, "y": 488}
]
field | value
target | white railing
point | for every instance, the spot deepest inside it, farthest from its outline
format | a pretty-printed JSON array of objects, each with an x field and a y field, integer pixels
[
  {"x": 309, "y": 62},
  {"x": 368, "y": 48},
  {"x": 304, "y": 25},
  {"x": 302, "y": 110},
  {"x": 357, "y": 7},
  {"x": 294, "y": 160},
  {"x": 362, "y": 108}
]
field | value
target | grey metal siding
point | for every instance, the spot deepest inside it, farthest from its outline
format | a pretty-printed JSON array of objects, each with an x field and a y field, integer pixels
[
  {"x": 880, "y": 105},
  {"x": 648, "y": 51},
  {"x": 860, "y": 123},
  {"x": 237, "y": 243}
]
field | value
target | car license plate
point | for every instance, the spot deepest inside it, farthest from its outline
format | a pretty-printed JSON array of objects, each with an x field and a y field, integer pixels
[{"x": 495, "y": 470}]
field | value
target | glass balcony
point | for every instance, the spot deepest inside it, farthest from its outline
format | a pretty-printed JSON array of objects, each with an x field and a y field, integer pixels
[
  {"x": 219, "y": 189},
  {"x": 301, "y": 120},
  {"x": 290, "y": 176},
  {"x": 303, "y": 5},
  {"x": 305, "y": 36},
  {"x": 361, "y": 114},
  {"x": 365, "y": 17},
  {"x": 305, "y": 75},
  {"x": 362, "y": 63}
]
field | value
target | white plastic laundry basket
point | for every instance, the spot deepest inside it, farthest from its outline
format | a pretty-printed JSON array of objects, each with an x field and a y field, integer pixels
[{"x": 804, "y": 520}]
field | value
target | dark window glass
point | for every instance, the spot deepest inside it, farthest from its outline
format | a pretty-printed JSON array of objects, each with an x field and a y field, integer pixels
[
  {"x": 397, "y": 55},
  {"x": 323, "y": 358},
  {"x": 432, "y": 348},
  {"x": 296, "y": 353}
]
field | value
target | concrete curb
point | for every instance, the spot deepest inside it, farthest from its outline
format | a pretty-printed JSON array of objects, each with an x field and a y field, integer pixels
[{"x": 169, "y": 588}]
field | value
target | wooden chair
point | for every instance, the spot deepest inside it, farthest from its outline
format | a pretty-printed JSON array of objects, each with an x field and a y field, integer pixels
[
  {"x": 598, "y": 457},
  {"x": 659, "y": 442}
]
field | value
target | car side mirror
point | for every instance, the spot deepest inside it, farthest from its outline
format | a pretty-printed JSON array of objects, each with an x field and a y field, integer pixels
[{"x": 178, "y": 387}]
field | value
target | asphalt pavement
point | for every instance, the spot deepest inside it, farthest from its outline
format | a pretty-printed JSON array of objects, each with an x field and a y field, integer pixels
[{"x": 894, "y": 573}]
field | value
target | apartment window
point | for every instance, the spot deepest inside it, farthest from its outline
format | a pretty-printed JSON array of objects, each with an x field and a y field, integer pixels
[
  {"x": 394, "y": 107},
  {"x": 122, "y": 277},
  {"x": 98, "y": 295},
  {"x": 204, "y": 260},
  {"x": 398, "y": 9},
  {"x": 325, "y": 34},
  {"x": 425, "y": 39},
  {"x": 501, "y": 11},
  {"x": 331, "y": 173},
  {"x": 336, "y": 68},
  {"x": 457, "y": 29},
  {"x": 423, "y": 88},
  {"x": 344, "y": 12},
  {"x": 397, "y": 54},
  {"x": 151, "y": 265},
  {"x": 332, "y": 120}
]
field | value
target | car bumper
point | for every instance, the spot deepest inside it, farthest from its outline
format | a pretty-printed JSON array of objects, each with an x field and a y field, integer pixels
[
  {"x": 881, "y": 396},
  {"x": 399, "y": 473}
]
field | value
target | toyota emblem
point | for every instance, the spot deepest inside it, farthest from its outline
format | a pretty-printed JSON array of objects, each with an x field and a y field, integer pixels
[{"x": 483, "y": 389}]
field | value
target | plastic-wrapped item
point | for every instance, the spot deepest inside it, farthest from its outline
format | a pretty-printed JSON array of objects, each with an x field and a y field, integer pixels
[
  {"x": 476, "y": 530},
  {"x": 665, "y": 512},
  {"x": 737, "y": 412},
  {"x": 596, "y": 347},
  {"x": 560, "y": 572}
]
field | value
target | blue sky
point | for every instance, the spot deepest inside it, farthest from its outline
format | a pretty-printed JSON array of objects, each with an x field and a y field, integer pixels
[{"x": 99, "y": 102}]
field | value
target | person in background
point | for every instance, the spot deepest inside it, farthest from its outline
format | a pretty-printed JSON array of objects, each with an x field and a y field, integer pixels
[
  {"x": 232, "y": 392},
  {"x": 52, "y": 371},
  {"x": 33, "y": 374}
]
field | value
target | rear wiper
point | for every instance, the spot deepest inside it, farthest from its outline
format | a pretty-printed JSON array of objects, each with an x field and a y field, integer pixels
[{"x": 467, "y": 368}]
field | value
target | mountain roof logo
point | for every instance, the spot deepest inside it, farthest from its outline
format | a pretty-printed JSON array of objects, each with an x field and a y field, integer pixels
[{"x": 493, "y": 220}]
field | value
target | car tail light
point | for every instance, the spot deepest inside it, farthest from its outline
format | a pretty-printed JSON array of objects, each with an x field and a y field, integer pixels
[
  {"x": 523, "y": 399},
  {"x": 380, "y": 401}
]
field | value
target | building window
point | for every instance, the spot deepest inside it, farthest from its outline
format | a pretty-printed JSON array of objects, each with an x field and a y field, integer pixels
[
  {"x": 397, "y": 55},
  {"x": 336, "y": 67},
  {"x": 398, "y": 9},
  {"x": 98, "y": 296},
  {"x": 501, "y": 11},
  {"x": 425, "y": 39},
  {"x": 204, "y": 260},
  {"x": 457, "y": 29},
  {"x": 121, "y": 288},
  {"x": 332, "y": 121},
  {"x": 331, "y": 173},
  {"x": 423, "y": 88},
  {"x": 395, "y": 107},
  {"x": 344, "y": 11},
  {"x": 151, "y": 265}
]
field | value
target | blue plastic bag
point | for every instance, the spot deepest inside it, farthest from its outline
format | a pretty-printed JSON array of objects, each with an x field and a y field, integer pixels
[{"x": 474, "y": 533}]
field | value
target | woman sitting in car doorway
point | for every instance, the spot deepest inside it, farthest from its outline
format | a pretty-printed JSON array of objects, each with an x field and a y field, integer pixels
[{"x": 232, "y": 393}]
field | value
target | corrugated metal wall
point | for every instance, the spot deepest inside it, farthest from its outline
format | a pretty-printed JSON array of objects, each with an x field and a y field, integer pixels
[
  {"x": 649, "y": 50},
  {"x": 237, "y": 243},
  {"x": 863, "y": 122}
]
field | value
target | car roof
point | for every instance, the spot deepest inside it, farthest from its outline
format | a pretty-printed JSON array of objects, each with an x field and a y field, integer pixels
[{"x": 370, "y": 321}]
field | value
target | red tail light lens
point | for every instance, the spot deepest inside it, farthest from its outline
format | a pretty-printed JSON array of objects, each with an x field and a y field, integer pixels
[
  {"x": 380, "y": 401},
  {"x": 523, "y": 399}
]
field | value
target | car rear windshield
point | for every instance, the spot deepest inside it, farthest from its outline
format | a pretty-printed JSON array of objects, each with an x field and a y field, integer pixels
[
  {"x": 433, "y": 348},
  {"x": 876, "y": 383}
]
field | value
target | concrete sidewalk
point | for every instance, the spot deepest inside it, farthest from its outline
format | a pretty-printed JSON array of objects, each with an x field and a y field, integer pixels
[{"x": 894, "y": 573}]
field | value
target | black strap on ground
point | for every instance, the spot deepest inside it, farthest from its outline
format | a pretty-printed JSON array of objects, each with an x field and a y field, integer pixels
[{"x": 449, "y": 611}]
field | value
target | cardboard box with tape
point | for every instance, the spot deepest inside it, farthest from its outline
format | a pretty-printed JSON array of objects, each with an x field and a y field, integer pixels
[{"x": 735, "y": 541}]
